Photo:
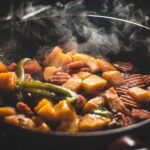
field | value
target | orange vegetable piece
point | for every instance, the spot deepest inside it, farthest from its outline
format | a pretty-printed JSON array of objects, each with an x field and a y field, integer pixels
[
  {"x": 7, "y": 81},
  {"x": 7, "y": 111},
  {"x": 3, "y": 67}
]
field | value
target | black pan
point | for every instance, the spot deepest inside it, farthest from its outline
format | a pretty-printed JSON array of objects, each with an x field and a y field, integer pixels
[{"x": 139, "y": 54}]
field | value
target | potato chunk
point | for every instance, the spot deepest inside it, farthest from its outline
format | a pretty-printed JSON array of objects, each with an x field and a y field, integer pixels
[
  {"x": 7, "y": 81},
  {"x": 88, "y": 60},
  {"x": 96, "y": 102},
  {"x": 114, "y": 78},
  {"x": 7, "y": 111},
  {"x": 3, "y": 67},
  {"x": 64, "y": 111},
  {"x": 105, "y": 65},
  {"x": 93, "y": 84},
  {"x": 73, "y": 83},
  {"x": 91, "y": 122},
  {"x": 57, "y": 58},
  {"x": 139, "y": 94},
  {"x": 45, "y": 109},
  {"x": 83, "y": 75}
]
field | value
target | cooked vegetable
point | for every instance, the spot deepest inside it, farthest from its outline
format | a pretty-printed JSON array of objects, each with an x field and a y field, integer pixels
[
  {"x": 64, "y": 111},
  {"x": 93, "y": 84},
  {"x": 114, "y": 78},
  {"x": 91, "y": 122},
  {"x": 102, "y": 112},
  {"x": 97, "y": 102},
  {"x": 83, "y": 75},
  {"x": 139, "y": 94},
  {"x": 7, "y": 111},
  {"x": 3, "y": 67},
  {"x": 7, "y": 81}
]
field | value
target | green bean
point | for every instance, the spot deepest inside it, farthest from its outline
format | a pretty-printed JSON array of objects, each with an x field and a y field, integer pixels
[
  {"x": 20, "y": 70},
  {"x": 38, "y": 91},
  {"x": 70, "y": 95}
]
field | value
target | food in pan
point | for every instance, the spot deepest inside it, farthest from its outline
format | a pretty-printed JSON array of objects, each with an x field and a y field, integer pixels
[{"x": 73, "y": 92}]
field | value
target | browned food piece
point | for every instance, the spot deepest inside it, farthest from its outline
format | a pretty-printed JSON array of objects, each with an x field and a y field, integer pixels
[
  {"x": 82, "y": 75},
  {"x": 32, "y": 67},
  {"x": 25, "y": 109},
  {"x": 129, "y": 101},
  {"x": 139, "y": 94},
  {"x": 140, "y": 114},
  {"x": 57, "y": 58},
  {"x": 48, "y": 73},
  {"x": 125, "y": 120},
  {"x": 69, "y": 126},
  {"x": 91, "y": 122},
  {"x": 11, "y": 67},
  {"x": 104, "y": 65},
  {"x": 7, "y": 111},
  {"x": 73, "y": 83},
  {"x": 45, "y": 109},
  {"x": 7, "y": 81},
  {"x": 93, "y": 84},
  {"x": 28, "y": 77},
  {"x": 124, "y": 66},
  {"x": 81, "y": 101},
  {"x": 64, "y": 111},
  {"x": 90, "y": 61},
  {"x": 146, "y": 79},
  {"x": 40, "y": 125},
  {"x": 122, "y": 90},
  {"x": 133, "y": 80},
  {"x": 97, "y": 102},
  {"x": 3, "y": 67},
  {"x": 76, "y": 65},
  {"x": 20, "y": 120},
  {"x": 59, "y": 78},
  {"x": 85, "y": 69},
  {"x": 115, "y": 103},
  {"x": 114, "y": 78}
]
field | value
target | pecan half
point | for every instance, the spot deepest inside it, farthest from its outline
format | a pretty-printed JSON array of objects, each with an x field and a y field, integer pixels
[
  {"x": 146, "y": 79},
  {"x": 134, "y": 80},
  {"x": 140, "y": 114},
  {"x": 124, "y": 66},
  {"x": 11, "y": 67},
  {"x": 32, "y": 67},
  {"x": 28, "y": 77},
  {"x": 59, "y": 78},
  {"x": 81, "y": 101},
  {"x": 122, "y": 90}
]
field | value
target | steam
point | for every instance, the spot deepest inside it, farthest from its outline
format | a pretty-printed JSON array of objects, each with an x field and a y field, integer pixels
[{"x": 75, "y": 26}]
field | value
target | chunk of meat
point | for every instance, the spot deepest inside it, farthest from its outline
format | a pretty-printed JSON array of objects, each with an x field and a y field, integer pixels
[
  {"x": 32, "y": 67},
  {"x": 97, "y": 102},
  {"x": 115, "y": 103},
  {"x": 73, "y": 83},
  {"x": 114, "y": 78},
  {"x": 140, "y": 114},
  {"x": 20, "y": 120},
  {"x": 93, "y": 84},
  {"x": 104, "y": 65},
  {"x": 25, "y": 109},
  {"x": 139, "y": 94},
  {"x": 64, "y": 111},
  {"x": 76, "y": 65},
  {"x": 57, "y": 58},
  {"x": 91, "y": 122}
]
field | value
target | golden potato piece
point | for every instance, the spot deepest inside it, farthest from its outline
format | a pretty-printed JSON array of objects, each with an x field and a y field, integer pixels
[
  {"x": 45, "y": 109},
  {"x": 64, "y": 111},
  {"x": 91, "y": 122},
  {"x": 7, "y": 111},
  {"x": 139, "y": 94},
  {"x": 69, "y": 126},
  {"x": 83, "y": 75},
  {"x": 73, "y": 83},
  {"x": 57, "y": 58},
  {"x": 96, "y": 102},
  {"x": 105, "y": 65},
  {"x": 93, "y": 83},
  {"x": 90, "y": 61},
  {"x": 114, "y": 78},
  {"x": 3, "y": 67},
  {"x": 43, "y": 127}
]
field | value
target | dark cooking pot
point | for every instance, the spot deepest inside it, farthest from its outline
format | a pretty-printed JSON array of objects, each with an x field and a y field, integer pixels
[{"x": 132, "y": 46}]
